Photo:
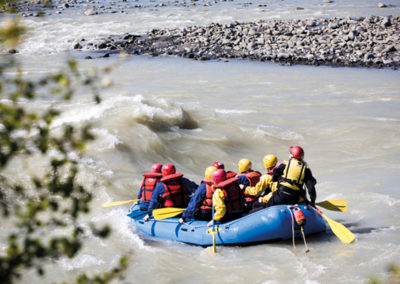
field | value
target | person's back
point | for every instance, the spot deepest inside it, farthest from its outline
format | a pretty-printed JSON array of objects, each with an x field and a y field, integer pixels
[
  {"x": 291, "y": 175},
  {"x": 150, "y": 181},
  {"x": 200, "y": 204},
  {"x": 247, "y": 177},
  {"x": 227, "y": 197},
  {"x": 173, "y": 190}
]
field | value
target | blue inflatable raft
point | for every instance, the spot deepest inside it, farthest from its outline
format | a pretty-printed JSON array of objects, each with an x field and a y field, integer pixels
[{"x": 269, "y": 224}]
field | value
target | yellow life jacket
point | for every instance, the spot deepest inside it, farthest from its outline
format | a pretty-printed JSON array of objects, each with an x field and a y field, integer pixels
[{"x": 293, "y": 175}]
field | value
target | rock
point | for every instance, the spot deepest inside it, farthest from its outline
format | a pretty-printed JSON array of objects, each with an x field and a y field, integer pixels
[
  {"x": 12, "y": 51},
  {"x": 381, "y": 5},
  {"x": 77, "y": 46},
  {"x": 90, "y": 12}
]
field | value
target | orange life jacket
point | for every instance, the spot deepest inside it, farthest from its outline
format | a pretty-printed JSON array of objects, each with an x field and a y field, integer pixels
[
  {"x": 230, "y": 174},
  {"x": 233, "y": 195},
  {"x": 176, "y": 195},
  {"x": 253, "y": 178},
  {"x": 207, "y": 201},
  {"x": 149, "y": 183}
]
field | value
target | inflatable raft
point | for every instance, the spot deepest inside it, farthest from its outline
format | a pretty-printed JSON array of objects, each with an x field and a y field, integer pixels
[{"x": 269, "y": 224}]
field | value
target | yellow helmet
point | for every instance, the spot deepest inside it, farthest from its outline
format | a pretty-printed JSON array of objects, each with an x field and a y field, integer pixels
[
  {"x": 244, "y": 165},
  {"x": 209, "y": 171},
  {"x": 270, "y": 161}
]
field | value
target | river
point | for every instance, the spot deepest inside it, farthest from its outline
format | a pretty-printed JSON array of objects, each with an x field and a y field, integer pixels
[{"x": 192, "y": 113}]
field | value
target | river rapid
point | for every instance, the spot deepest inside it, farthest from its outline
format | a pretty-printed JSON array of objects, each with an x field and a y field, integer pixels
[{"x": 192, "y": 113}]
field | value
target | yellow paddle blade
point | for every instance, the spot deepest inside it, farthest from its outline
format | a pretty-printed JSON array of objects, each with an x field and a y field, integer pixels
[
  {"x": 116, "y": 203},
  {"x": 334, "y": 205},
  {"x": 167, "y": 212},
  {"x": 344, "y": 234}
]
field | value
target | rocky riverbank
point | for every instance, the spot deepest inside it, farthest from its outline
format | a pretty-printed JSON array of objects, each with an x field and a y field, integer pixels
[{"x": 371, "y": 42}]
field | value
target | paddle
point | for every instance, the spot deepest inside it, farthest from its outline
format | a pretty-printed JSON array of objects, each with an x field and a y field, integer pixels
[
  {"x": 344, "y": 234},
  {"x": 334, "y": 205},
  {"x": 213, "y": 230},
  {"x": 168, "y": 212},
  {"x": 116, "y": 203}
]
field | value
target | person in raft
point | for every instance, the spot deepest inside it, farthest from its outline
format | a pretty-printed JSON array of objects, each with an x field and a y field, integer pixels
[
  {"x": 265, "y": 184},
  {"x": 220, "y": 165},
  {"x": 173, "y": 190},
  {"x": 195, "y": 209},
  {"x": 247, "y": 177},
  {"x": 150, "y": 180},
  {"x": 291, "y": 176},
  {"x": 227, "y": 198}
]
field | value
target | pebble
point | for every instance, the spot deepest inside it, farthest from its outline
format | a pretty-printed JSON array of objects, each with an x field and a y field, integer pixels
[{"x": 369, "y": 42}]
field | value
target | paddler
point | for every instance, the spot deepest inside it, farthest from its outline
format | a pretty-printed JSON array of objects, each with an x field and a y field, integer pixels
[
  {"x": 150, "y": 181},
  {"x": 173, "y": 190},
  {"x": 198, "y": 205},
  {"x": 227, "y": 197},
  {"x": 291, "y": 176},
  {"x": 248, "y": 178}
]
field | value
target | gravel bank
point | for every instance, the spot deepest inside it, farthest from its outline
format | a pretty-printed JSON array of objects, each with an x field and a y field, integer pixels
[{"x": 370, "y": 42}]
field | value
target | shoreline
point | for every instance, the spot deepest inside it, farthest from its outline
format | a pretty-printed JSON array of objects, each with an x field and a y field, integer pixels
[{"x": 364, "y": 42}]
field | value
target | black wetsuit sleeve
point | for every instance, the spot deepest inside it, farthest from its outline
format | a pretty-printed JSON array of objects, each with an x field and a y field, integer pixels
[
  {"x": 310, "y": 183},
  {"x": 278, "y": 172}
]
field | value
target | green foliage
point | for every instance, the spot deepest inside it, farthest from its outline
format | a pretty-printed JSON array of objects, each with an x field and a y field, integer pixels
[
  {"x": 46, "y": 211},
  {"x": 394, "y": 276}
]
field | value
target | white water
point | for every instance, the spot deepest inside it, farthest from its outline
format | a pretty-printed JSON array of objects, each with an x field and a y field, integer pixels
[{"x": 192, "y": 113}]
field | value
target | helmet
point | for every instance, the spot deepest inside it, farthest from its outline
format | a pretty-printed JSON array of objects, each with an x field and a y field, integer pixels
[
  {"x": 209, "y": 171},
  {"x": 156, "y": 168},
  {"x": 218, "y": 165},
  {"x": 218, "y": 176},
  {"x": 168, "y": 169},
  {"x": 297, "y": 152},
  {"x": 270, "y": 161},
  {"x": 244, "y": 165}
]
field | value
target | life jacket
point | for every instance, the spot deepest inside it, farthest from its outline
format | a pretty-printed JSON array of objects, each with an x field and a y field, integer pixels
[
  {"x": 149, "y": 183},
  {"x": 230, "y": 174},
  {"x": 207, "y": 201},
  {"x": 293, "y": 174},
  {"x": 176, "y": 195},
  {"x": 233, "y": 195},
  {"x": 253, "y": 178}
]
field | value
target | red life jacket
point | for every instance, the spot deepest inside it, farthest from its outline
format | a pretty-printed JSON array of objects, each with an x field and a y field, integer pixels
[
  {"x": 233, "y": 195},
  {"x": 230, "y": 174},
  {"x": 176, "y": 195},
  {"x": 149, "y": 183},
  {"x": 253, "y": 178},
  {"x": 207, "y": 202}
]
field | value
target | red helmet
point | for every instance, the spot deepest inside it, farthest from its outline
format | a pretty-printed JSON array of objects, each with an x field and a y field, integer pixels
[
  {"x": 218, "y": 165},
  {"x": 168, "y": 169},
  {"x": 297, "y": 152},
  {"x": 156, "y": 168},
  {"x": 218, "y": 176}
]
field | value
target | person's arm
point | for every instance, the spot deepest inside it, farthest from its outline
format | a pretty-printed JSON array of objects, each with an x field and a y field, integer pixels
[
  {"x": 278, "y": 171},
  {"x": 243, "y": 181},
  {"x": 310, "y": 183},
  {"x": 159, "y": 190},
  {"x": 262, "y": 185},
  {"x": 219, "y": 204},
  {"x": 194, "y": 202}
]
